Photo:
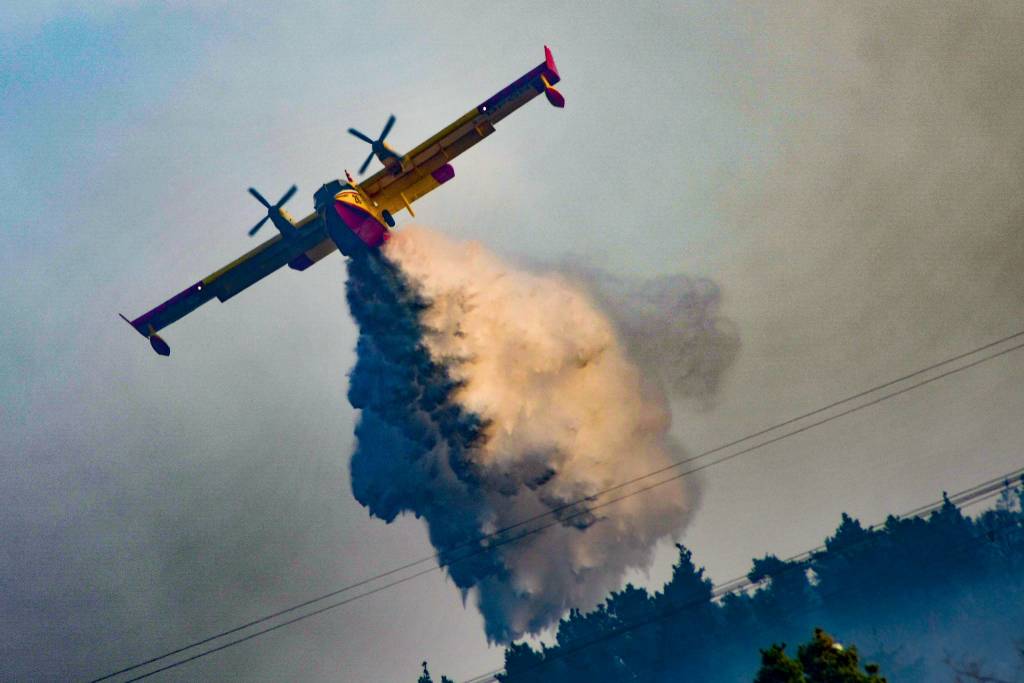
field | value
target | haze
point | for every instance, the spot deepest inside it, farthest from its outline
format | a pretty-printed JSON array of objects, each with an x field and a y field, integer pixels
[{"x": 849, "y": 174}]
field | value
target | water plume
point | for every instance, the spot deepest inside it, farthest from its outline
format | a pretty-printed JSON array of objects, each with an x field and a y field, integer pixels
[{"x": 490, "y": 395}]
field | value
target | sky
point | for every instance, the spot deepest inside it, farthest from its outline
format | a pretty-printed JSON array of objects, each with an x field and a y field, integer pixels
[{"x": 850, "y": 176}]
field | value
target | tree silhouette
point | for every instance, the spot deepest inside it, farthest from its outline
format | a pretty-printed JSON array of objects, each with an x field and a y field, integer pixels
[
  {"x": 822, "y": 660},
  {"x": 915, "y": 593},
  {"x": 425, "y": 676}
]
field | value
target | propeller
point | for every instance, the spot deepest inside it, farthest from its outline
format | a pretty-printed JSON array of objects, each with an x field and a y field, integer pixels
[
  {"x": 271, "y": 208},
  {"x": 366, "y": 164},
  {"x": 377, "y": 147}
]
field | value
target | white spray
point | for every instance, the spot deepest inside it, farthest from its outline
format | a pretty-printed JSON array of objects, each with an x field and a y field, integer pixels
[{"x": 520, "y": 399}]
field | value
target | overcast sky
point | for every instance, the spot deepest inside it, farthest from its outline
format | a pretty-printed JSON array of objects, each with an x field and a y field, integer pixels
[{"x": 851, "y": 175}]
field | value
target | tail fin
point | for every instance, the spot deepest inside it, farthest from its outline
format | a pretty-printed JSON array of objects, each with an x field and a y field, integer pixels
[{"x": 556, "y": 98}]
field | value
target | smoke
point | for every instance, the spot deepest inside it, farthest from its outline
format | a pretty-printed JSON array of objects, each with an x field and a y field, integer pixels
[
  {"x": 490, "y": 396},
  {"x": 670, "y": 326},
  {"x": 891, "y": 210}
]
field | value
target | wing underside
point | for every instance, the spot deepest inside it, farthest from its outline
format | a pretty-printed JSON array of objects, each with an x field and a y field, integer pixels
[{"x": 301, "y": 250}]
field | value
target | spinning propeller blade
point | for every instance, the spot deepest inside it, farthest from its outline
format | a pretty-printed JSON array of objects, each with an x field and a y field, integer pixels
[
  {"x": 366, "y": 164},
  {"x": 387, "y": 128},
  {"x": 287, "y": 195},
  {"x": 260, "y": 198},
  {"x": 270, "y": 208},
  {"x": 361, "y": 136},
  {"x": 259, "y": 225},
  {"x": 377, "y": 147}
]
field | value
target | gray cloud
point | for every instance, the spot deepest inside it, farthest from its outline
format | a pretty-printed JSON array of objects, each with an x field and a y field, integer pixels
[{"x": 891, "y": 200}]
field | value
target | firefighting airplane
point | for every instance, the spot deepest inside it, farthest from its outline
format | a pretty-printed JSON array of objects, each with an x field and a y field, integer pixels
[{"x": 349, "y": 216}]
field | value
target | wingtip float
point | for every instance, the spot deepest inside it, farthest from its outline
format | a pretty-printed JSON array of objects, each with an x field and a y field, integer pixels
[
  {"x": 155, "y": 340},
  {"x": 349, "y": 216}
]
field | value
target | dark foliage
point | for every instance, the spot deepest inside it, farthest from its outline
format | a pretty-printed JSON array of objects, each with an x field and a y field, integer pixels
[
  {"x": 425, "y": 676},
  {"x": 822, "y": 660},
  {"x": 912, "y": 593}
]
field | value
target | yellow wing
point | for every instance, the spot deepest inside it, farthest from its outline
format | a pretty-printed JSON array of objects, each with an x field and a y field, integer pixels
[
  {"x": 299, "y": 251},
  {"x": 426, "y": 166}
]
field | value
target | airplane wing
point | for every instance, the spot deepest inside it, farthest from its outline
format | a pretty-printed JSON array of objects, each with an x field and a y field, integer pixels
[
  {"x": 426, "y": 167},
  {"x": 299, "y": 251}
]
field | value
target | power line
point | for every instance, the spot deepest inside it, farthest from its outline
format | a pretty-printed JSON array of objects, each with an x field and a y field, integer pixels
[
  {"x": 561, "y": 519},
  {"x": 744, "y": 584},
  {"x": 736, "y": 442},
  {"x": 970, "y": 496}
]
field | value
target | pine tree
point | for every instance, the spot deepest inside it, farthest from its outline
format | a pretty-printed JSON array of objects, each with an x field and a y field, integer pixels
[
  {"x": 425, "y": 677},
  {"x": 822, "y": 660}
]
